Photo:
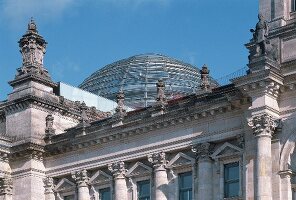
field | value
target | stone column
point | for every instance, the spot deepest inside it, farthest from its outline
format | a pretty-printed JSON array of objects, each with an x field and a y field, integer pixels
[
  {"x": 205, "y": 171},
  {"x": 6, "y": 188},
  {"x": 263, "y": 128},
  {"x": 118, "y": 170},
  {"x": 82, "y": 179},
  {"x": 48, "y": 186},
  {"x": 160, "y": 175}
]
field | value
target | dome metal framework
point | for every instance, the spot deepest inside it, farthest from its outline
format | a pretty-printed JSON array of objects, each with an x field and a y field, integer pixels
[{"x": 137, "y": 77}]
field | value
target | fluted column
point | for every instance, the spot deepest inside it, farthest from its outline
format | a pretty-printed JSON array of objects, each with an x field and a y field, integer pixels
[
  {"x": 82, "y": 179},
  {"x": 160, "y": 175},
  {"x": 118, "y": 170},
  {"x": 205, "y": 171},
  {"x": 48, "y": 186},
  {"x": 6, "y": 188},
  {"x": 263, "y": 128}
]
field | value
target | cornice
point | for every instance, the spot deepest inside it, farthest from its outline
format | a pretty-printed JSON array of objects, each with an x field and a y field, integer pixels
[
  {"x": 64, "y": 107},
  {"x": 267, "y": 81},
  {"x": 283, "y": 31},
  {"x": 35, "y": 77},
  {"x": 28, "y": 150},
  {"x": 140, "y": 153},
  {"x": 102, "y": 131}
]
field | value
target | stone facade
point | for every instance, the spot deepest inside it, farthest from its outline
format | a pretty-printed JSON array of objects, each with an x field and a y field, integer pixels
[{"x": 54, "y": 148}]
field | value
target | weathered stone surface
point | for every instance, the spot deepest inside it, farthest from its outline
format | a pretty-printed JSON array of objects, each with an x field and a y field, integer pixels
[{"x": 237, "y": 123}]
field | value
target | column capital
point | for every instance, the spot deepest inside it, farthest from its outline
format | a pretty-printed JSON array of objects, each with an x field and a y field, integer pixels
[
  {"x": 158, "y": 160},
  {"x": 48, "y": 185},
  {"x": 81, "y": 178},
  {"x": 117, "y": 169},
  {"x": 6, "y": 186},
  {"x": 4, "y": 157},
  {"x": 286, "y": 173},
  {"x": 202, "y": 150},
  {"x": 264, "y": 125}
]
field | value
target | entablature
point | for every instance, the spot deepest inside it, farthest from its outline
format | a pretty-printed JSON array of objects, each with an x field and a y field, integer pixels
[{"x": 139, "y": 122}]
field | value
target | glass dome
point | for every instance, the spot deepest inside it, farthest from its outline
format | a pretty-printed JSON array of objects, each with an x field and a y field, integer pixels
[{"x": 137, "y": 77}]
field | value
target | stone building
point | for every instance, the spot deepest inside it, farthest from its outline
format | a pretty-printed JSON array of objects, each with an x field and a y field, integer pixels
[{"x": 229, "y": 142}]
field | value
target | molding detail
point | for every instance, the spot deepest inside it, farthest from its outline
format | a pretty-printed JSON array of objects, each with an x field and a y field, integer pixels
[
  {"x": 138, "y": 169},
  {"x": 226, "y": 150},
  {"x": 179, "y": 160},
  {"x": 99, "y": 177},
  {"x": 64, "y": 185}
]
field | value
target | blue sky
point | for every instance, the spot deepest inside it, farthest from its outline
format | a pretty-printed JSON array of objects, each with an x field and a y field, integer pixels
[{"x": 85, "y": 35}]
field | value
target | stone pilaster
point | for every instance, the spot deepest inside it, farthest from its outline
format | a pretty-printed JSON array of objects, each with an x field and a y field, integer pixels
[
  {"x": 160, "y": 175},
  {"x": 263, "y": 128},
  {"x": 82, "y": 179},
  {"x": 205, "y": 171},
  {"x": 118, "y": 170},
  {"x": 48, "y": 186},
  {"x": 286, "y": 190},
  {"x": 6, "y": 188}
]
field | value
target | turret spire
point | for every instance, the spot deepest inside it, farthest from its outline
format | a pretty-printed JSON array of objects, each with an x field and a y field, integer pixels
[
  {"x": 32, "y": 47},
  {"x": 32, "y": 26}
]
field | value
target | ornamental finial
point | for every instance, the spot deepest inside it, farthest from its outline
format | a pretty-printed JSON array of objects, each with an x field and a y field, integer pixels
[
  {"x": 204, "y": 76},
  {"x": 32, "y": 26}
]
